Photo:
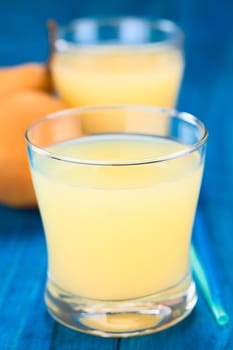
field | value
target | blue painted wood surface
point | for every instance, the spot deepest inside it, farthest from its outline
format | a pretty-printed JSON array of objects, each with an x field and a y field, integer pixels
[{"x": 207, "y": 91}]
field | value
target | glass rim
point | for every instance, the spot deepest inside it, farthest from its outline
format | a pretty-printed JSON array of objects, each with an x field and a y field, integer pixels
[
  {"x": 187, "y": 117},
  {"x": 164, "y": 25}
]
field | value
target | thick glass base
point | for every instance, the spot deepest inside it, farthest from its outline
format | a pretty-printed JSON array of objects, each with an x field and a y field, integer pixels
[{"x": 122, "y": 318}]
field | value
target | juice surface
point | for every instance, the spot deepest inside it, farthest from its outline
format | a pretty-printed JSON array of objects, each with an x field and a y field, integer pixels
[
  {"x": 110, "y": 75},
  {"x": 117, "y": 232}
]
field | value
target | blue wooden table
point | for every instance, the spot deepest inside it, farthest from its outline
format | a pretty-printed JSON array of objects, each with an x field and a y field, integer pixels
[{"x": 207, "y": 91}]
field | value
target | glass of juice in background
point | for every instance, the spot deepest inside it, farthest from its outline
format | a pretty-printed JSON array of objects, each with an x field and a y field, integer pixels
[
  {"x": 118, "y": 61},
  {"x": 117, "y": 202}
]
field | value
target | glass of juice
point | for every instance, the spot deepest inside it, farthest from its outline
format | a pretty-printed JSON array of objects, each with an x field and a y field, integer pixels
[
  {"x": 117, "y": 189},
  {"x": 126, "y": 60}
]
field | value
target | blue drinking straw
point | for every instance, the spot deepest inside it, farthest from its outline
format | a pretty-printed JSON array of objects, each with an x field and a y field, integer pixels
[{"x": 206, "y": 272}]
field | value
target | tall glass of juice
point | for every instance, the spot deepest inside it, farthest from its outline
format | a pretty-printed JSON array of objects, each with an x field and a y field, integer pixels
[
  {"x": 126, "y": 60},
  {"x": 117, "y": 190}
]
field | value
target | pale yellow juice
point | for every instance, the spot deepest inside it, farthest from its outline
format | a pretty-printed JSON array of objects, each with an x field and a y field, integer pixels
[
  {"x": 117, "y": 232},
  {"x": 107, "y": 75}
]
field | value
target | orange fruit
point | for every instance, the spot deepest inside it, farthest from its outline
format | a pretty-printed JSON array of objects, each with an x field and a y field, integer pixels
[
  {"x": 17, "y": 112},
  {"x": 29, "y": 76}
]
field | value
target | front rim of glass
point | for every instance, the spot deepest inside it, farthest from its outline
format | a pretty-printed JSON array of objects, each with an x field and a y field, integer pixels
[
  {"x": 187, "y": 117},
  {"x": 165, "y": 26}
]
